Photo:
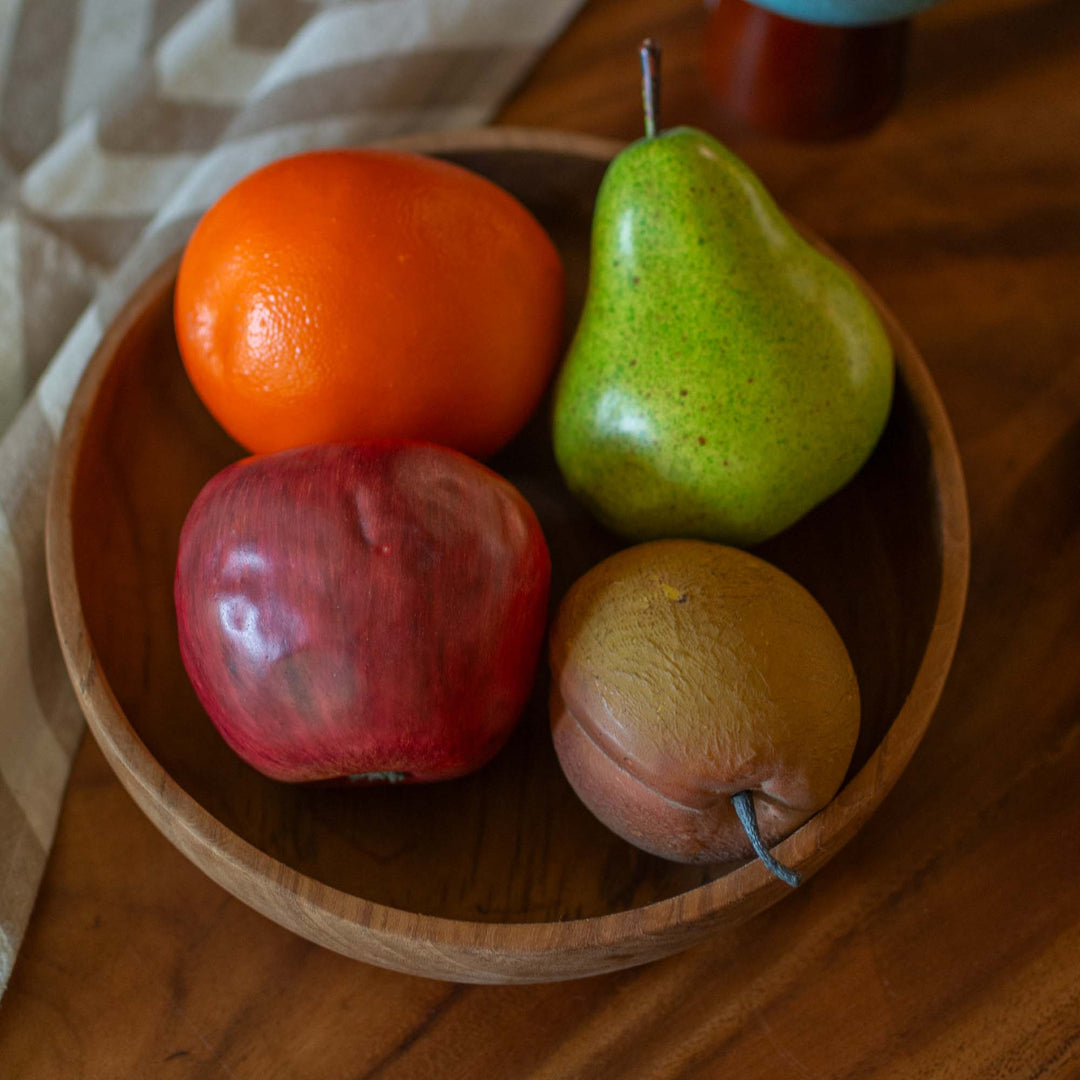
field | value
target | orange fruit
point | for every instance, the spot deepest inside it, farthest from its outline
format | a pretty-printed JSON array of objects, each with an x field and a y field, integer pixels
[{"x": 358, "y": 293}]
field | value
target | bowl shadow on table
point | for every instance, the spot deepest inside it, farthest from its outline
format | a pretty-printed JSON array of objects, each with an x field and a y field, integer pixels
[{"x": 510, "y": 843}]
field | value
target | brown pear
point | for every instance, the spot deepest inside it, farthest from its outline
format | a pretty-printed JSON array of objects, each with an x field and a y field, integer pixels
[{"x": 685, "y": 673}]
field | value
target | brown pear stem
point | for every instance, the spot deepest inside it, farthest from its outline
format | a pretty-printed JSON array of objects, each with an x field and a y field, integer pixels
[
  {"x": 650, "y": 85},
  {"x": 743, "y": 801}
]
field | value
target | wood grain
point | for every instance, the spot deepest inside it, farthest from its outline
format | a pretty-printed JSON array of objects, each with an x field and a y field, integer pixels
[
  {"x": 944, "y": 940},
  {"x": 502, "y": 876}
]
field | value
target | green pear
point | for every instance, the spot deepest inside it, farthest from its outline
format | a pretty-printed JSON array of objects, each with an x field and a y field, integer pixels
[{"x": 725, "y": 376}]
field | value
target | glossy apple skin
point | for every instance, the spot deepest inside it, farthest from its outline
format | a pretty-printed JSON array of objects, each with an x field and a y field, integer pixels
[{"x": 356, "y": 609}]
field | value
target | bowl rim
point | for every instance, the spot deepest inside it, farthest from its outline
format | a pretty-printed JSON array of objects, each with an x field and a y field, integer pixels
[{"x": 332, "y": 916}]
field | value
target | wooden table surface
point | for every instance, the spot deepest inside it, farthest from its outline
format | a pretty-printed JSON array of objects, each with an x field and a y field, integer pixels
[{"x": 945, "y": 939}]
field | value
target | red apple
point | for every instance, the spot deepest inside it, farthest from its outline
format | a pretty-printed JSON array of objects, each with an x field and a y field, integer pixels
[{"x": 369, "y": 611}]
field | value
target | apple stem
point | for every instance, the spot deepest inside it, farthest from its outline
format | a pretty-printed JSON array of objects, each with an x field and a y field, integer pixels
[
  {"x": 743, "y": 801},
  {"x": 650, "y": 85}
]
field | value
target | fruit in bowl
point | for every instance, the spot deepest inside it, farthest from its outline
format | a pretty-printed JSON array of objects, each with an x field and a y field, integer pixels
[
  {"x": 726, "y": 376},
  {"x": 702, "y": 703},
  {"x": 571, "y": 899},
  {"x": 354, "y": 294},
  {"x": 362, "y": 612}
]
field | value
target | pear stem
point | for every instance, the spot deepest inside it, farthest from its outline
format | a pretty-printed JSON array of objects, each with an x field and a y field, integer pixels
[
  {"x": 743, "y": 801},
  {"x": 650, "y": 85}
]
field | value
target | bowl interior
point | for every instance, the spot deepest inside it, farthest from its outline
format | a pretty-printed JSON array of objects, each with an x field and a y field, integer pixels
[{"x": 510, "y": 843}]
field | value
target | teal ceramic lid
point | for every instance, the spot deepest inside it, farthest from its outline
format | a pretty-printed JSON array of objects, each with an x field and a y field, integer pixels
[{"x": 845, "y": 12}]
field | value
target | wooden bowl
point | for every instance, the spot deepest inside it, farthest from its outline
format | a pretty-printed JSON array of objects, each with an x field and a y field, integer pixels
[{"x": 502, "y": 876}]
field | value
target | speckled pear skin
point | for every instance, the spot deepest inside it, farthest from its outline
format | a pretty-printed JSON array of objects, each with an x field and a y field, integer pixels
[{"x": 725, "y": 376}]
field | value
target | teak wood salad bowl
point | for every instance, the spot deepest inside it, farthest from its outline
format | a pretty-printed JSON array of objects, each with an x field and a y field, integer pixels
[{"x": 502, "y": 876}]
